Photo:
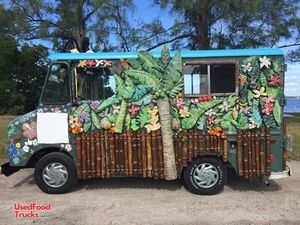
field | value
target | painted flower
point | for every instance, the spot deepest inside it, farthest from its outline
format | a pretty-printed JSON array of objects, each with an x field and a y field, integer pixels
[
  {"x": 244, "y": 109},
  {"x": 40, "y": 110},
  {"x": 116, "y": 108},
  {"x": 107, "y": 63},
  {"x": 29, "y": 130},
  {"x": 243, "y": 79},
  {"x": 35, "y": 142},
  {"x": 68, "y": 147},
  {"x": 195, "y": 101},
  {"x": 57, "y": 110},
  {"x": 269, "y": 99},
  {"x": 82, "y": 63},
  {"x": 16, "y": 161},
  {"x": 62, "y": 146},
  {"x": 73, "y": 121},
  {"x": 210, "y": 112},
  {"x": 260, "y": 92},
  {"x": 99, "y": 63},
  {"x": 95, "y": 104},
  {"x": 13, "y": 152},
  {"x": 25, "y": 148},
  {"x": 268, "y": 108},
  {"x": 184, "y": 112},
  {"x": 252, "y": 125},
  {"x": 76, "y": 130},
  {"x": 124, "y": 64},
  {"x": 179, "y": 103},
  {"x": 133, "y": 110},
  {"x": 211, "y": 120},
  {"x": 264, "y": 62},
  {"x": 85, "y": 117},
  {"x": 247, "y": 67},
  {"x": 74, "y": 50},
  {"x": 224, "y": 106},
  {"x": 274, "y": 80},
  {"x": 90, "y": 63},
  {"x": 18, "y": 145}
]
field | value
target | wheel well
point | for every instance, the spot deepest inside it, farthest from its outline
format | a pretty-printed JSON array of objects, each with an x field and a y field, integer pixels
[{"x": 40, "y": 154}]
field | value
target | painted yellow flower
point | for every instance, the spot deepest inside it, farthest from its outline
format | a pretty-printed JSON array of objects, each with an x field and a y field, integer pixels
[
  {"x": 184, "y": 112},
  {"x": 260, "y": 92},
  {"x": 243, "y": 79},
  {"x": 82, "y": 63},
  {"x": 18, "y": 145}
]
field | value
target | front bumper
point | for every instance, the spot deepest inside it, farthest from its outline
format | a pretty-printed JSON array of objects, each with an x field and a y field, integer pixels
[{"x": 8, "y": 170}]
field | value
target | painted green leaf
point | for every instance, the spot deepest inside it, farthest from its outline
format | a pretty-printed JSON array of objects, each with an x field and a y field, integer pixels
[
  {"x": 150, "y": 64},
  {"x": 277, "y": 112},
  {"x": 269, "y": 121},
  {"x": 272, "y": 91},
  {"x": 226, "y": 122},
  {"x": 140, "y": 92},
  {"x": 121, "y": 117},
  {"x": 82, "y": 108},
  {"x": 176, "y": 89},
  {"x": 112, "y": 118},
  {"x": 201, "y": 123},
  {"x": 144, "y": 78},
  {"x": 127, "y": 121},
  {"x": 189, "y": 122},
  {"x": 126, "y": 88},
  {"x": 134, "y": 125},
  {"x": 277, "y": 65},
  {"x": 242, "y": 121},
  {"x": 174, "y": 69},
  {"x": 87, "y": 126},
  {"x": 165, "y": 56},
  {"x": 107, "y": 103},
  {"x": 134, "y": 64},
  {"x": 263, "y": 80},
  {"x": 144, "y": 117},
  {"x": 144, "y": 101},
  {"x": 95, "y": 120}
]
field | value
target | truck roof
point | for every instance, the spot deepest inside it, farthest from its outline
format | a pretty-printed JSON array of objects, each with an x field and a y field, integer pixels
[{"x": 184, "y": 54}]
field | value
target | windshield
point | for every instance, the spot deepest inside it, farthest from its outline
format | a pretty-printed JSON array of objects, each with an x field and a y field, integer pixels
[{"x": 56, "y": 90}]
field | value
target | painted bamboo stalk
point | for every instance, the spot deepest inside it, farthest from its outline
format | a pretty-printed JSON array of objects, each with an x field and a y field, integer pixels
[
  {"x": 98, "y": 152},
  {"x": 179, "y": 149},
  {"x": 160, "y": 155},
  {"x": 102, "y": 147},
  {"x": 262, "y": 152},
  {"x": 149, "y": 155},
  {"x": 253, "y": 131},
  {"x": 88, "y": 150},
  {"x": 106, "y": 149},
  {"x": 184, "y": 148},
  {"x": 245, "y": 154},
  {"x": 249, "y": 136},
  {"x": 175, "y": 140},
  {"x": 93, "y": 155},
  {"x": 130, "y": 159},
  {"x": 154, "y": 154},
  {"x": 115, "y": 149},
  {"x": 268, "y": 167},
  {"x": 134, "y": 153},
  {"x": 126, "y": 171},
  {"x": 84, "y": 160},
  {"x": 79, "y": 155},
  {"x": 239, "y": 154},
  {"x": 139, "y": 153},
  {"x": 190, "y": 145},
  {"x": 257, "y": 153},
  {"x": 144, "y": 152},
  {"x": 207, "y": 146},
  {"x": 195, "y": 142},
  {"x": 225, "y": 153},
  {"x": 201, "y": 143}
]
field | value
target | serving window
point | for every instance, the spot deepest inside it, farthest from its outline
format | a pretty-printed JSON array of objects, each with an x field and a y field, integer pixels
[{"x": 210, "y": 78}]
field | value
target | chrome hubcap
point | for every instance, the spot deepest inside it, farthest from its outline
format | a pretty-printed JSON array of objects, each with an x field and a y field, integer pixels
[
  {"x": 206, "y": 175},
  {"x": 55, "y": 174}
]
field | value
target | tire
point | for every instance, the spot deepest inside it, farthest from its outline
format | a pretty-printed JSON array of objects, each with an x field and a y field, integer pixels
[
  {"x": 55, "y": 173},
  {"x": 208, "y": 181}
]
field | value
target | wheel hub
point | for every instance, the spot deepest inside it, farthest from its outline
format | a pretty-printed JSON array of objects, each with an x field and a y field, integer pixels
[
  {"x": 55, "y": 174},
  {"x": 206, "y": 175}
]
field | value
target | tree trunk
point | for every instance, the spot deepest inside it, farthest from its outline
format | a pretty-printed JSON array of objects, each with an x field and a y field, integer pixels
[
  {"x": 121, "y": 117},
  {"x": 167, "y": 139}
]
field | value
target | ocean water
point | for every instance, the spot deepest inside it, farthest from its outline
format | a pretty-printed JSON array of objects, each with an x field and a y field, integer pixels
[{"x": 292, "y": 105}]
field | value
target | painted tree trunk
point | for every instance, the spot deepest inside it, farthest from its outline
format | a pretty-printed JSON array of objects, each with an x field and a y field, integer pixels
[
  {"x": 121, "y": 117},
  {"x": 167, "y": 139}
]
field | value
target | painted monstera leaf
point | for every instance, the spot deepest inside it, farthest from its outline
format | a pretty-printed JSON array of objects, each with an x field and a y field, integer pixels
[
  {"x": 134, "y": 64},
  {"x": 144, "y": 117},
  {"x": 242, "y": 122},
  {"x": 150, "y": 64},
  {"x": 107, "y": 103},
  {"x": 140, "y": 92},
  {"x": 82, "y": 108},
  {"x": 226, "y": 122},
  {"x": 196, "y": 112},
  {"x": 277, "y": 112},
  {"x": 95, "y": 120}
]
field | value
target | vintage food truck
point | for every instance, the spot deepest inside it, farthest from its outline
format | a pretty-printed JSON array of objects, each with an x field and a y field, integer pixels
[{"x": 187, "y": 115}]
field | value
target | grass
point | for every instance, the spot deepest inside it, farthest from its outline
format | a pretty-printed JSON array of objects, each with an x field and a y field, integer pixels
[{"x": 293, "y": 129}]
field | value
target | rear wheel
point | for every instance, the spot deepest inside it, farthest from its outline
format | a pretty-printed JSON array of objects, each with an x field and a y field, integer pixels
[
  {"x": 55, "y": 173},
  {"x": 205, "y": 176}
]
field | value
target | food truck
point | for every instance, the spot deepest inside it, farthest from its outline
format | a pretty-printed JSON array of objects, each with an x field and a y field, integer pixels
[{"x": 185, "y": 115}]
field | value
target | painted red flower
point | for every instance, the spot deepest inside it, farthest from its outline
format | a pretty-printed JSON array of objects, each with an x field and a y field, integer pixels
[
  {"x": 90, "y": 63},
  {"x": 268, "y": 108},
  {"x": 133, "y": 110},
  {"x": 274, "y": 80}
]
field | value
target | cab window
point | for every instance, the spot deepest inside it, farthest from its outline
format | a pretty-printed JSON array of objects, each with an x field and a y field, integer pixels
[{"x": 56, "y": 90}]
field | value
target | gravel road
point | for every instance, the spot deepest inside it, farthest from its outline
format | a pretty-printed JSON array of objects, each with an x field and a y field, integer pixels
[{"x": 139, "y": 201}]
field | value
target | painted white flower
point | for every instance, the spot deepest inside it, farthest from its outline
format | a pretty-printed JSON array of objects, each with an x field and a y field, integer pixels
[
  {"x": 247, "y": 67},
  {"x": 29, "y": 142},
  {"x": 264, "y": 61},
  {"x": 68, "y": 147},
  {"x": 62, "y": 146},
  {"x": 99, "y": 63},
  {"x": 74, "y": 50},
  {"x": 224, "y": 107},
  {"x": 35, "y": 142},
  {"x": 210, "y": 112},
  {"x": 25, "y": 148}
]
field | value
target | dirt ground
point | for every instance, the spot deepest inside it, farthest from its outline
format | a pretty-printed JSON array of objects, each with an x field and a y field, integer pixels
[{"x": 139, "y": 201}]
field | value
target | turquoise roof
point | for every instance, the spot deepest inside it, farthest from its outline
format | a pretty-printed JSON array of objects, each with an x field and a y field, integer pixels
[{"x": 184, "y": 54}]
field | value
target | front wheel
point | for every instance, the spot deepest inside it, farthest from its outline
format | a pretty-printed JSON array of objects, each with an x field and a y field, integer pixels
[
  {"x": 55, "y": 173},
  {"x": 205, "y": 176}
]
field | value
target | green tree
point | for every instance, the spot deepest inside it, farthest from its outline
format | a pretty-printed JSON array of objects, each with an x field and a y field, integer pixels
[{"x": 204, "y": 24}]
